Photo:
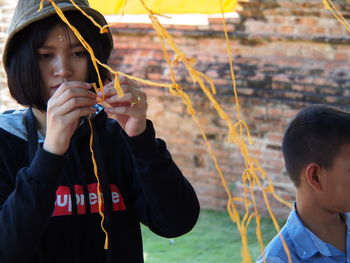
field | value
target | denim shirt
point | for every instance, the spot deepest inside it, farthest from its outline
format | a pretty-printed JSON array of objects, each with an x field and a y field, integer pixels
[{"x": 304, "y": 246}]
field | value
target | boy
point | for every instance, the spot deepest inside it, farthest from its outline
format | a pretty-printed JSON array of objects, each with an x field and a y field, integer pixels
[{"x": 316, "y": 150}]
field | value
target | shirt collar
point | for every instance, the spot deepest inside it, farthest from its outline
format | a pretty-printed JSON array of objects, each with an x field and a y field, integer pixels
[{"x": 306, "y": 243}]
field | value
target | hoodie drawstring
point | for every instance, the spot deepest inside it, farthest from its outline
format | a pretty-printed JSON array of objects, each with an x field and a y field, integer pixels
[
  {"x": 32, "y": 138},
  {"x": 32, "y": 135},
  {"x": 82, "y": 176},
  {"x": 75, "y": 237}
]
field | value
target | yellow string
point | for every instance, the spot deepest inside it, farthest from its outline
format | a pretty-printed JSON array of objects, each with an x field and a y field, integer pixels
[
  {"x": 331, "y": 7},
  {"x": 100, "y": 201},
  {"x": 93, "y": 58},
  {"x": 238, "y": 132},
  {"x": 102, "y": 29},
  {"x": 234, "y": 136}
]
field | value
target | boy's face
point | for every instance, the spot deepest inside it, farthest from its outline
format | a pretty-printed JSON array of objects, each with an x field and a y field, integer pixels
[{"x": 336, "y": 183}]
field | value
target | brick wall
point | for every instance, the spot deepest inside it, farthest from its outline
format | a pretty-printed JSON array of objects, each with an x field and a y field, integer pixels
[{"x": 287, "y": 54}]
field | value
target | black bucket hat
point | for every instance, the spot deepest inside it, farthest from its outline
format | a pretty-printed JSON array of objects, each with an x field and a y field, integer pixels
[{"x": 26, "y": 13}]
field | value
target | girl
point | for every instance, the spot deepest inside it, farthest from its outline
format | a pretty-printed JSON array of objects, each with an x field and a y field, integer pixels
[{"x": 49, "y": 195}]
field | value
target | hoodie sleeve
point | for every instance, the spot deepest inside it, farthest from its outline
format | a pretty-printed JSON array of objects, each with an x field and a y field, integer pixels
[
  {"x": 26, "y": 204},
  {"x": 165, "y": 201}
]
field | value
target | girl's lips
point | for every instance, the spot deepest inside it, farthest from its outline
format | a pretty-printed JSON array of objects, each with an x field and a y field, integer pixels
[{"x": 56, "y": 86}]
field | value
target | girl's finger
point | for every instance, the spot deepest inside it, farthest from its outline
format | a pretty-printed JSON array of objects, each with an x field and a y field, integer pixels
[
  {"x": 127, "y": 109},
  {"x": 69, "y": 85},
  {"x": 79, "y": 112},
  {"x": 70, "y": 94},
  {"x": 128, "y": 97}
]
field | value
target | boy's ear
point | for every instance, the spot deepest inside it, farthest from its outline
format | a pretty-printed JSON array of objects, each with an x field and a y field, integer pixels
[{"x": 313, "y": 176}]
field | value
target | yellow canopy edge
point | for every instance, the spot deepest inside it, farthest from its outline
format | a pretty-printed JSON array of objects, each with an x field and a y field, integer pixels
[{"x": 118, "y": 7}]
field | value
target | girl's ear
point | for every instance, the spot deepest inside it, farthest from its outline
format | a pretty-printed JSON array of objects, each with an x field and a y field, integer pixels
[{"x": 313, "y": 176}]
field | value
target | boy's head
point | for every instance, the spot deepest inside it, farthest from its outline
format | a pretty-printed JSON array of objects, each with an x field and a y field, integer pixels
[{"x": 316, "y": 135}]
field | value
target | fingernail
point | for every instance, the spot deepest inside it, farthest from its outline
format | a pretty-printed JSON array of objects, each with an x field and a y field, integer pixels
[{"x": 99, "y": 94}]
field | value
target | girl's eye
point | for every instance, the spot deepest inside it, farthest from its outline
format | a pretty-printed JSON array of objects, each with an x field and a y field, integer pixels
[
  {"x": 80, "y": 53},
  {"x": 44, "y": 55}
]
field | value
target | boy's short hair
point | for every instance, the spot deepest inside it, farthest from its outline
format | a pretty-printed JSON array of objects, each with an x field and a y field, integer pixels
[
  {"x": 316, "y": 135},
  {"x": 23, "y": 73}
]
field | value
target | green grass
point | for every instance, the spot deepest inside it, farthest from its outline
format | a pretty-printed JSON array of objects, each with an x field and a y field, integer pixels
[{"x": 215, "y": 239}]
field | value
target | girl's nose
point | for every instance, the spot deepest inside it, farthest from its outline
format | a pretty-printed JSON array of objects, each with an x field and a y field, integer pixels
[{"x": 63, "y": 68}]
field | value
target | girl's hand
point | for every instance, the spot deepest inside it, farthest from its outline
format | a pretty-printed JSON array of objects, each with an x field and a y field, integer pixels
[
  {"x": 130, "y": 110},
  {"x": 70, "y": 102}
]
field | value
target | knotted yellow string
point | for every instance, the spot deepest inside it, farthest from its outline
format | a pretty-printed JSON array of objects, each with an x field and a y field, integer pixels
[{"x": 238, "y": 132}]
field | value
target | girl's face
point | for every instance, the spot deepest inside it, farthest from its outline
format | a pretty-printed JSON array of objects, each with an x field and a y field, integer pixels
[{"x": 62, "y": 58}]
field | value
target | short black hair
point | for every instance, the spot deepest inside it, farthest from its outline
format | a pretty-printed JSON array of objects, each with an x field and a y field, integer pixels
[
  {"x": 23, "y": 73},
  {"x": 316, "y": 135}
]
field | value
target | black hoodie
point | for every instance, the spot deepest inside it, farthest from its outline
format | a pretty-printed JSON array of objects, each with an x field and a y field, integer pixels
[{"x": 48, "y": 203}]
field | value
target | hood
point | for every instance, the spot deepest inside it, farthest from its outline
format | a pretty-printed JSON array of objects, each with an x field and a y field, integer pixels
[
  {"x": 13, "y": 121},
  {"x": 26, "y": 13}
]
